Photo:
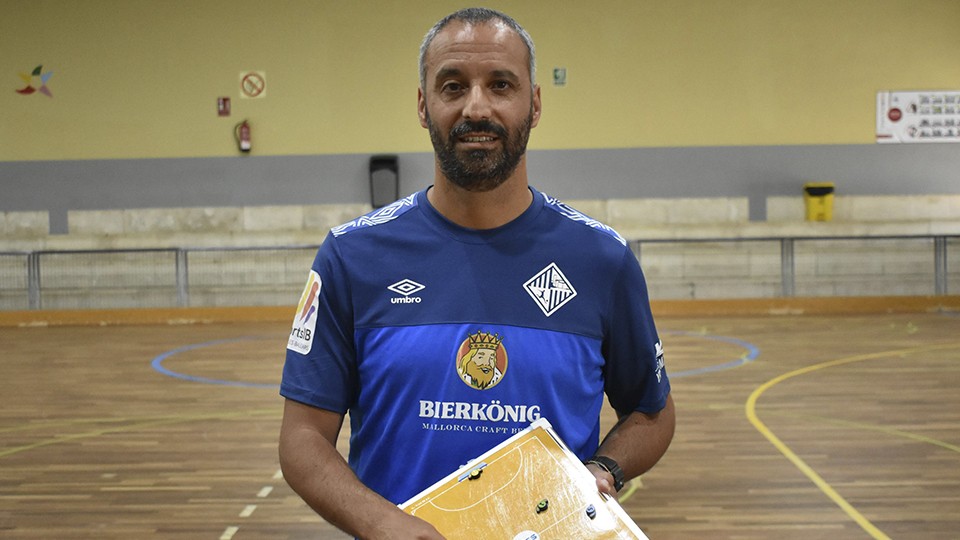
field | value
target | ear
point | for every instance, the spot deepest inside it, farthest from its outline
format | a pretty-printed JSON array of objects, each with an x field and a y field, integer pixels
[
  {"x": 536, "y": 106},
  {"x": 422, "y": 107}
]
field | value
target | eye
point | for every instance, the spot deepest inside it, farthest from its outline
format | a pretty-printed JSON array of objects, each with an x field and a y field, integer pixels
[
  {"x": 451, "y": 87},
  {"x": 502, "y": 85}
]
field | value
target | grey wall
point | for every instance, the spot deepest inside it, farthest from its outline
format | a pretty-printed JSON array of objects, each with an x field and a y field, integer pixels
[{"x": 753, "y": 172}]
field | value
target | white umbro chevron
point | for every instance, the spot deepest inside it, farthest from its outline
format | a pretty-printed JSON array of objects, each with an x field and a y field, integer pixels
[{"x": 406, "y": 287}]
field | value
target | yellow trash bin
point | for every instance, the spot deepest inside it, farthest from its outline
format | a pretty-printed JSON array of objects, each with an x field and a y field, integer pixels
[{"x": 818, "y": 200}]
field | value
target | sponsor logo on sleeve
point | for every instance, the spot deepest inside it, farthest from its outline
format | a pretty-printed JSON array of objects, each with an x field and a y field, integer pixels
[
  {"x": 305, "y": 321},
  {"x": 660, "y": 365}
]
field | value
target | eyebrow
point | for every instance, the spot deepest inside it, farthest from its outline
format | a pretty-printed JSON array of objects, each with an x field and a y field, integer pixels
[
  {"x": 448, "y": 72},
  {"x": 445, "y": 73},
  {"x": 506, "y": 74}
]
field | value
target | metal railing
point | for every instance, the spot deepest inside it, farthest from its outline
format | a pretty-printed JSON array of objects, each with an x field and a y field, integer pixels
[
  {"x": 166, "y": 277},
  {"x": 801, "y": 266},
  {"x": 675, "y": 268}
]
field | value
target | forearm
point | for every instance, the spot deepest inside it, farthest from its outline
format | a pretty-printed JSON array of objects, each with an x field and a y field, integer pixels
[
  {"x": 318, "y": 473},
  {"x": 638, "y": 440}
]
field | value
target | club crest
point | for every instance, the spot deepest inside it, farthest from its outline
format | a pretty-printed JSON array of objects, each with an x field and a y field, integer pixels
[{"x": 550, "y": 289}]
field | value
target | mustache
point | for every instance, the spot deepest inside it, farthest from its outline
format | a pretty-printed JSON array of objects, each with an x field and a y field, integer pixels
[{"x": 484, "y": 126}]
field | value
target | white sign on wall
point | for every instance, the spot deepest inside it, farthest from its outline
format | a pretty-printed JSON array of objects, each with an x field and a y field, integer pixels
[
  {"x": 918, "y": 117},
  {"x": 253, "y": 84}
]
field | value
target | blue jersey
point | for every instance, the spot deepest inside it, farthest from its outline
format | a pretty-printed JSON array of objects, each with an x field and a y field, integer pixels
[{"x": 442, "y": 341}]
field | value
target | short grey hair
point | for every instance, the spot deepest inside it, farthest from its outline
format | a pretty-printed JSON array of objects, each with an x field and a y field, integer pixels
[{"x": 477, "y": 16}]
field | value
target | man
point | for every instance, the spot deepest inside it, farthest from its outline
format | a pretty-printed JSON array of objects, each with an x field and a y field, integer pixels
[{"x": 556, "y": 300}]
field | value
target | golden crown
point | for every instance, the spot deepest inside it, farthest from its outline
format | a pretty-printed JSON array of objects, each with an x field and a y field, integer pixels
[{"x": 483, "y": 340}]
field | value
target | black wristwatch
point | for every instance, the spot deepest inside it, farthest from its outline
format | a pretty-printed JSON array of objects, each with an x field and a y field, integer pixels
[{"x": 611, "y": 467}]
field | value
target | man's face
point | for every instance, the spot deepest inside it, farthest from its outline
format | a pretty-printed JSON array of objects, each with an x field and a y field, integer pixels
[
  {"x": 481, "y": 367},
  {"x": 485, "y": 359},
  {"x": 478, "y": 103}
]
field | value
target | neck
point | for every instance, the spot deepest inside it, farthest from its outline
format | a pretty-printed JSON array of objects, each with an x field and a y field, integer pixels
[{"x": 481, "y": 210}]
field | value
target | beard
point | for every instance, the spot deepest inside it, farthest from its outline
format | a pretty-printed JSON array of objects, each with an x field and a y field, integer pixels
[
  {"x": 482, "y": 377},
  {"x": 479, "y": 170}
]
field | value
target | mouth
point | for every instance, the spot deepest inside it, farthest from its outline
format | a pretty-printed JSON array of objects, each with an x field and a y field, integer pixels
[{"x": 477, "y": 139}]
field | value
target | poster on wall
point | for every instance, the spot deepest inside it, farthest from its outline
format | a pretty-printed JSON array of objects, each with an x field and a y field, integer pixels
[{"x": 918, "y": 117}]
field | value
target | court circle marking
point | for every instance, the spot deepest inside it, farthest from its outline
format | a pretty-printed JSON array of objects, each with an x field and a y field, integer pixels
[
  {"x": 752, "y": 353},
  {"x": 157, "y": 365}
]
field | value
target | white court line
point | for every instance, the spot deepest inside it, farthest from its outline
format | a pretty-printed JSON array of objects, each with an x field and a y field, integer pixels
[{"x": 249, "y": 509}]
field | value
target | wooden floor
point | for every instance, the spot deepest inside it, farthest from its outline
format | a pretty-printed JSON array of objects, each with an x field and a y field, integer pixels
[{"x": 789, "y": 427}]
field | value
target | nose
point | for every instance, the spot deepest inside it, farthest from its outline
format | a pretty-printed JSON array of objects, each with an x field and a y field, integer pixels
[{"x": 477, "y": 105}]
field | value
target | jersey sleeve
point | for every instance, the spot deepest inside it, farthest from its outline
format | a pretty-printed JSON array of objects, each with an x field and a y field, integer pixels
[
  {"x": 634, "y": 373},
  {"x": 320, "y": 368}
]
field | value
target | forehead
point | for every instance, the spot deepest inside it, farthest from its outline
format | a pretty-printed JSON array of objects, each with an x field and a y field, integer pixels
[{"x": 490, "y": 44}]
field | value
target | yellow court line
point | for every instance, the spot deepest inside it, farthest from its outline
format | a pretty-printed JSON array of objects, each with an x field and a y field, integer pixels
[
  {"x": 632, "y": 487},
  {"x": 827, "y": 489},
  {"x": 871, "y": 427},
  {"x": 167, "y": 420}
]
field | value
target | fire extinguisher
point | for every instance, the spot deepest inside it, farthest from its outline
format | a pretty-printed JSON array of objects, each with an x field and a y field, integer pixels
[{"x": 242, "y": 133}]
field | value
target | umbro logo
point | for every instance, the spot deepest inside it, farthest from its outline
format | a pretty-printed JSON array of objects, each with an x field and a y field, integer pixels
[
  {"x": 405, "y": 288},
  {"x": 550, "y": 289}
]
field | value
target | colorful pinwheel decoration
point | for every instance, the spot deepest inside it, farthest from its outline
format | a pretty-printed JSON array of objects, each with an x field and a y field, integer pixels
[{"x": 29, "y": 80}]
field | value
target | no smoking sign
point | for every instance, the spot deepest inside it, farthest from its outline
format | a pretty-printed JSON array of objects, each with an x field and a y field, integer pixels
[{"x": 253, "y": 84}]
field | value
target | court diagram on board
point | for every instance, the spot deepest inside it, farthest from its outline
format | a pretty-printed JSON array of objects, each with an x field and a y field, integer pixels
[{"x": 531, "y": 487}]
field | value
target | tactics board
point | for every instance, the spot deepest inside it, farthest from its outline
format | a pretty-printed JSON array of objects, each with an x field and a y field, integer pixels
[{"x": 530, "y": 487}]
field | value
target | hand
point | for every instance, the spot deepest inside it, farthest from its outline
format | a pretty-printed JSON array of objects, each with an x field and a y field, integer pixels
[
  {"x": 403, "y": 526},
  {"x": 604, "y": 480}
]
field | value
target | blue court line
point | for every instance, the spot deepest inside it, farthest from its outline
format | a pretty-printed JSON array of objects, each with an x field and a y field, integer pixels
[
  {"x": 157, "y": 364},
  {"x": 752, "y": 353}
]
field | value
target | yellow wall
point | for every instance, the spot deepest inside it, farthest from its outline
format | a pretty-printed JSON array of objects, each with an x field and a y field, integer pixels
[{"x": 140, "y": 78}]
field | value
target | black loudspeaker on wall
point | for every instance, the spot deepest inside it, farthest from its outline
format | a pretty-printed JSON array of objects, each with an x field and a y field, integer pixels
[{"x": 384, "y": 180}]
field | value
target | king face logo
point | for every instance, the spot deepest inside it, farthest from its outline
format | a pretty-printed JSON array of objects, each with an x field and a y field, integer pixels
[
  {"x": 482, "y": 360},
  {"x": 550, "y": 289}
]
